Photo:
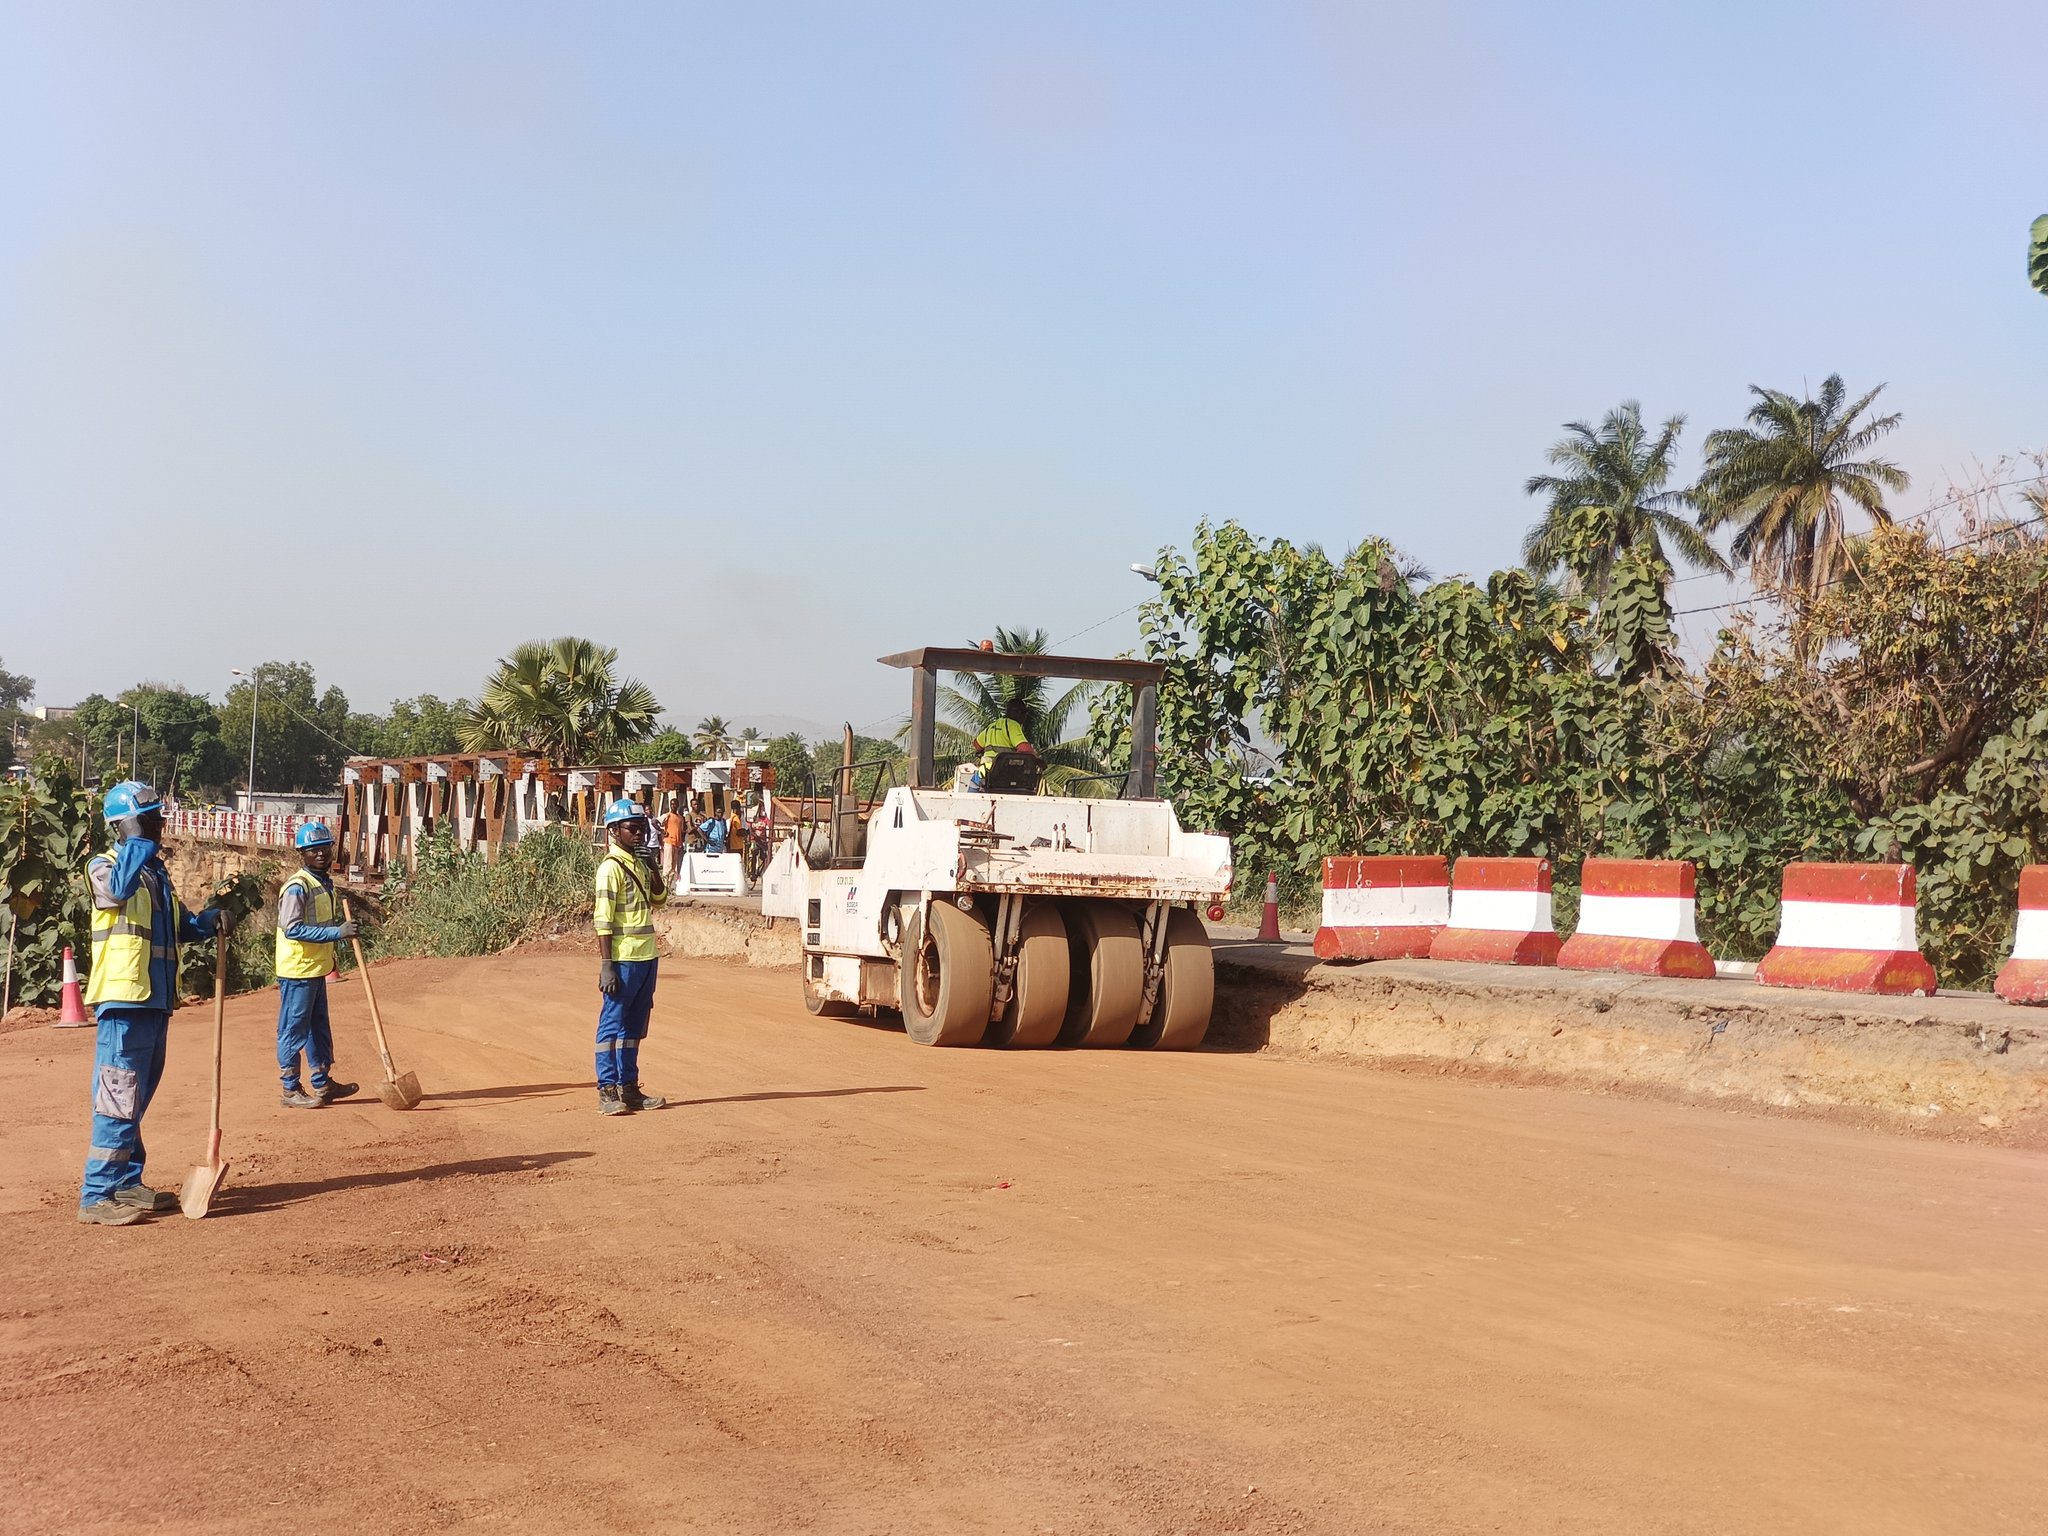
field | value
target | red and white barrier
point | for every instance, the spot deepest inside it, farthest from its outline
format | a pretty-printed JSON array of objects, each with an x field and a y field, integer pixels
[
  {"x": 1500, "y": 914},
  {"x": 1848, "y": 928},
  {"x": 1637, "y": 915},
  {"x": 1383, "y": 908},
  {"x": 2024, "y": 978}
]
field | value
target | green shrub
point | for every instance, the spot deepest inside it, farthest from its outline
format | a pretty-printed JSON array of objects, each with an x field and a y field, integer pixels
[{"x": 457, "y": 903}]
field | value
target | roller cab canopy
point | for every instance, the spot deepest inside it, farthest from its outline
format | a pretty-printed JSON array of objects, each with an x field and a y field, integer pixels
[{"x": 926, "y": 663}]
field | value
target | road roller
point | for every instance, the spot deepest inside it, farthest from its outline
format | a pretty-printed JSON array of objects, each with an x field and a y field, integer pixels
[{"x": 986, "y": 911}]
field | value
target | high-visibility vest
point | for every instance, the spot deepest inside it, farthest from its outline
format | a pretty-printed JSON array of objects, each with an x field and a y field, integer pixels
[
  {"x": 1001, "y": 735},
  {"x": 625, "y": 905},
  {"x": 295, "y": 958},
  {"x": 122, "y": 943}
]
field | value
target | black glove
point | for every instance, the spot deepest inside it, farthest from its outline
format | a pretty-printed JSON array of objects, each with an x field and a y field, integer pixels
[
  {"x": 347, "y": 929},
  {"x": 608, "y": 977}
]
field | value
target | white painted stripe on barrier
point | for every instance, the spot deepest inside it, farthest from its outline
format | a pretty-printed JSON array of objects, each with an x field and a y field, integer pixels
[
  {"x": 1638, "y": 917},
  {"x": 1388, "y": 906},
  {"x": 1846, "y": 925},
  {"x": 1501, "y": 911},
  {"x": 2030, "y": 939}
]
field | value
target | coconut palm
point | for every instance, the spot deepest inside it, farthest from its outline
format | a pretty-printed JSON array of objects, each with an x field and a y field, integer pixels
[
  {"x": 1781, "y": 482},
  {"x": 560, "y": 699},
  {"x": 1608, "y": 497},
  {"x": 714, "y": 736},
  {"x": 749, "y": 738},
  {"x": 973, "y": 700}
]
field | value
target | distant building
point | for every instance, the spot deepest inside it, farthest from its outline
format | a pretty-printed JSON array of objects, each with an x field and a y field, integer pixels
[{"x": 54, "y": 711}]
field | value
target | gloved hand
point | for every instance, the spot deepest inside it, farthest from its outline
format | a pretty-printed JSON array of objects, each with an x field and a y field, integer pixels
[
  {"x": 347, "y": 929},
  {"x": 608, "y": 977}
]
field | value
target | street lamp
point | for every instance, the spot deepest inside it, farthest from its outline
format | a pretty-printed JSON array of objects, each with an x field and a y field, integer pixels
[
  {"x": 1150, "y": 573},
  {"x": 255, "y": 695}
]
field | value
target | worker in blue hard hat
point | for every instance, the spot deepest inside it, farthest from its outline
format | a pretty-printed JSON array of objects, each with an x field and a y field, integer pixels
[
  {"x": 308, "y": 928},
  {"x": 137, "y": 923},
  {"x": 629, "y": 888}
]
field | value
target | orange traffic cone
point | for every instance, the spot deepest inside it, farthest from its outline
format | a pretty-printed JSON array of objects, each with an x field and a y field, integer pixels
[
  {"x": 1269, "y": 920},
  {"x": 72, "y": 1014}
]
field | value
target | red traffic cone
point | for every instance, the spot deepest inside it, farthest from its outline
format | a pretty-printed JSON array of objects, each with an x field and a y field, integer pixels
[
  {"x": 72, "y": 1014},
  {"x": 1269, "y": 920}
]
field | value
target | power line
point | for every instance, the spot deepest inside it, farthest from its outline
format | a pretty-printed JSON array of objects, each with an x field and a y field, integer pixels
[
  {"x": 1077, "y": 634},
  {"x": 1999, "y": 532}
]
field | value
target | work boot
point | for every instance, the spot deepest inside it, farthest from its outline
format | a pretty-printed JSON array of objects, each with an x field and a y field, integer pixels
[
  {"x": 109, "y": 1213},
  {"x": 335, "y": 1091},
  {"x": 610, "y": 1101},
  {"x": 296, "y": 1097},
  {"x": 143, "y": 1198},
  {"x": 635, "y": 1099}
]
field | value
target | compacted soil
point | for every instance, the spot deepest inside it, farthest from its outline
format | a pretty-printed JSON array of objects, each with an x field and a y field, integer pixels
[{"x": 849, "y": 1284}]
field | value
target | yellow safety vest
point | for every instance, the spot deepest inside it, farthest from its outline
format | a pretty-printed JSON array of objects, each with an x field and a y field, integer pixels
[
  {"x": 1001, "y": 735},
  {"x": 625, "y": 905},
  {"x": 298, "y": 960},
  {"x": 121, "y": 944}
]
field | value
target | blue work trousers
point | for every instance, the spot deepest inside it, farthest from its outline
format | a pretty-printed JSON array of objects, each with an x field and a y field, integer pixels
[
  {"x": 302, "y": 1027},
  {"x": 622, "y": 1024},
  {"x": 125, "y": 1071}
]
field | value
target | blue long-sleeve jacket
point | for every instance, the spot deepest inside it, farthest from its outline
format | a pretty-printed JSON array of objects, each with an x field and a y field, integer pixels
[
  {"x": 291, "y": 914},
  {"x": 134, "y": 860}
]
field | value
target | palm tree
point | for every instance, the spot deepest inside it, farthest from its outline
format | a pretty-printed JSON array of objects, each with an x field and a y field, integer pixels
[
  {"x": 714, "y": 736},
  {"x": 561, "y": 700},
  {"x": 748, "y": 739},
  {"x": 1782, "y": 479},
  {"x": 973, "y": 701},
  {"x": 1608, "y": 497}
]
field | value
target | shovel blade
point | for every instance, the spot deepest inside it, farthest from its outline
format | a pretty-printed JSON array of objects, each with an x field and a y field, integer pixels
[
  {"x": 401, "y": 1092},
  {"x": 201, "y": 1184}
]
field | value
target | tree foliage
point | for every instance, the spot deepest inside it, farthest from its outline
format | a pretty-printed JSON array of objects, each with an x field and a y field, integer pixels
[
  {"x": 563, "y": 700},
  {"x": 1050, "y": 716},
  {"x": 1608, "y": 498},
  {"x": 48, "y": 828},
  {"x": 301, "y": 728},
  {"x": 1782, "y": 480},
  {"x": 1904, "y": 713}
]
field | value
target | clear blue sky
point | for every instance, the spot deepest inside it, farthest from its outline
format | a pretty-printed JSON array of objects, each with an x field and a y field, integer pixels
[{"x": 759, "y": 340}]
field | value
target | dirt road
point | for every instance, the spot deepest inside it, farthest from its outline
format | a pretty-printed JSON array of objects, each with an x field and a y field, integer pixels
[{"x": 854, "y": 1285}]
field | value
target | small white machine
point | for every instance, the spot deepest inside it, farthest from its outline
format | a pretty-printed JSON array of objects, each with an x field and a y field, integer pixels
[{"x": 1004, "y": 916}]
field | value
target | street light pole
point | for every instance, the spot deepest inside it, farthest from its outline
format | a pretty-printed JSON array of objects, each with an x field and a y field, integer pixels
[{"x": 255, "y": 697}]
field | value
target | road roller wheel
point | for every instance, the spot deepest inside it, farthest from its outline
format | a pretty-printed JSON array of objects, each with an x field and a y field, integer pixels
[
  {"x": 1038, "y": 1002},
  {"x": 1187, "y": 988},
  {"x": 1106, "y": 975},
  {"x": 818, "y": 1006},
  {"x": 948, "y": 968}
]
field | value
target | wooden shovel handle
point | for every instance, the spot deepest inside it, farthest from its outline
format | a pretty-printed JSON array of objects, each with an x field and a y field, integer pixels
[
  {"x": 220, "y": 1013},
  {"x": 370, "y": 991}
]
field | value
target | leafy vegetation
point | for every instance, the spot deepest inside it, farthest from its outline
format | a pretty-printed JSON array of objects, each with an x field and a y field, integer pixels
[
  {"x": 1781, "y": 483},
  {"x": 48, "y": 828},
  {"x": 458, "y": 903},
  {"x": 1902, "y": 713},
  {"x": 563, "y": 700}
]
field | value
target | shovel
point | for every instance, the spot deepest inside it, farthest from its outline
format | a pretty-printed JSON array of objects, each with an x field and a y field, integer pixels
[
  {"x": 396, "y": 1092},
  {"x": 203, "y": 1182}
]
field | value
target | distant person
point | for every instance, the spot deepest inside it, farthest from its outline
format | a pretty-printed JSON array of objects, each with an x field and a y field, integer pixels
[
  {"x": 137, "y": 922},
  {"x": 717, "y": 832},
  {"x": 628, "y": 891},
  {"x": 674, "y": 830},
  {"x": 308, "y": 928}
]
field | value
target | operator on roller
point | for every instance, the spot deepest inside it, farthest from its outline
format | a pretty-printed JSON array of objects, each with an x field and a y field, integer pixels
[
  {"x": 1005, "y": 733},
  {"x": 137, "y": 921},
  {"x": 629, "y": 888},
  {"x": 308, "y": 927}
]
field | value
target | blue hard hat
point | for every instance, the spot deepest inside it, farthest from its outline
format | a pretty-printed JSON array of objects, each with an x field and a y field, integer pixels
[
  {"x": 313, "y": 834},
  {"x": 625, "y": 810},
  {"x": 130, "y": 797}
]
